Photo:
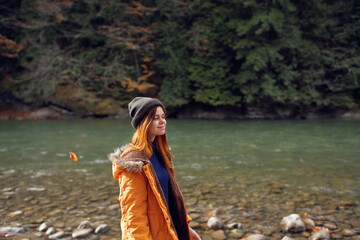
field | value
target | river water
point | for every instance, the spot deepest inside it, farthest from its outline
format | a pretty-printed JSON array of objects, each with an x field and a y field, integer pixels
[{"x": 228, "y": 161}]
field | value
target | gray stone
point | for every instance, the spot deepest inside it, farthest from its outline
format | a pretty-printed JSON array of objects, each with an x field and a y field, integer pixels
[
  {"x": 293, "y": 223},
  {"x": 322, "y": 234},
  {"x": 82, "y": 233},
  {"x": 348, "y": 232},
  {"x": 287, "y": 238},
  {"x": 12, "y": 229},
  {"x": 256, "y": 237},
  {"x": 330, "y": 226},
  {"x": 57, "y": 235},
  {"x": 218, "y": 235},
  {"x": 44, "y": 226},
  {"x": 309, "y": 222},
  {"x": 233, "y": 225},
  {"x": 214, "y": 223},
  {"x": 102, "y": 228},
  {"x": 50, "y": 231},
  {"x": 85, "y": 225}
]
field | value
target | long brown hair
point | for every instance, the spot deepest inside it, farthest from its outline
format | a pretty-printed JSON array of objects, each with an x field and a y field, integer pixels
[{"x": 140, "y": 140}]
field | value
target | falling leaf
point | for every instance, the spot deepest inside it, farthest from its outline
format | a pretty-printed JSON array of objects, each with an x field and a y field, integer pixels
[{"x": 73, "y": 156}]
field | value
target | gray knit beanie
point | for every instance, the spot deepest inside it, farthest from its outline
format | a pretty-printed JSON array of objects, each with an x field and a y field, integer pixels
[{"x": 139, "y": 107}]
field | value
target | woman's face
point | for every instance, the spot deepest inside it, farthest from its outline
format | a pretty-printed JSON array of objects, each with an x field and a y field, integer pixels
[{"x": 158, "y": 124}]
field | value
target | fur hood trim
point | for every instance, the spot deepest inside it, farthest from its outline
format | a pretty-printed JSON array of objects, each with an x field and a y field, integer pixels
[{"x": 131, "y": 162}]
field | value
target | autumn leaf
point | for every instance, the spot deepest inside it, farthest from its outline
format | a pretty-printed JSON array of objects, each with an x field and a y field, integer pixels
[{"x": 73, "y": 156}]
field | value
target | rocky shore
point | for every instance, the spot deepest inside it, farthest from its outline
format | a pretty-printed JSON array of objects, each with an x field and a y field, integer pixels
[
  {"x": 188, "y": 112},
  {"x": 86, "y": 206}
]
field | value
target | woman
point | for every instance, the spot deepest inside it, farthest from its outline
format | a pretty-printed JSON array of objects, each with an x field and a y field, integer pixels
[{"x": 151, "y": 202}]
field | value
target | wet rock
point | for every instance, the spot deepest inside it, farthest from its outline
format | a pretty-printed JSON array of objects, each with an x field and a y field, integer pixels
[
  {"x": 12, "y": 229},
  {"x": 236, "y": 235},
  {"x": 336, "y": 236},
  {"x": 194, "y": 224},
  {"x": 54, "y": 212},
  {"x": 233, "y": 226},
  {"x": 347, "y": 203},
  {"x": 82, "y": 233},
  {"x": 287, "y": 238},
  {"x": 348, "y": 232},
  {"x": 85, "y": 225},
  {"x": 44, "y": 226},
  {"x": 211, "y": 213},
  {"x": 214, "y": 223},
  {"x": 57, "y": 235},
  {"x": 309, "y": 222},
  {"x": 322, "y": 234},
  {"x": 256, "y": 237},
  {"x": 330, "y": 226},
  {"x": 268, "y": 231},
  {"x": 15, "y": 213},
  {"x": 59, "y": 225},
  {"x": 102, "y": 228},
  {"x": 114, "y": 207},
  {"x": 218, "y": 235},
  {"x": 293, "y": 223},
  {"x": 38, "y": 234},
  {"x": 50, "y": 231}
]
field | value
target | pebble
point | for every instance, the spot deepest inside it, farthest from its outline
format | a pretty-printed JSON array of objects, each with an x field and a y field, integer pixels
[
  {"x": 85, "y": 225},
  {"x": 347, "y": 203},
  {"x": 322, "y": 234},
  {"x": 214, "y": 223},
  {"x": 309, "y": 222},
  {"x": 38, "y": 234},
  {"x": 194, "y": 224},
  {"x": 12, "y": 229},
  {"x": 233, "y": 226},
  {"x": 102, "y": 228},
  {"x": 293, "y": 223},
  {"x": 348, "y": 232},
  {"x": 14, "y": 214},
  {"x": 287, "y": 238},
  {"x": 57, "y": 235},
  {"x": 256, "y": 237},
  {"x": 44, "y": 226},
  {"x": 236, "y": 235},
  {"x": 330, "y": 226},
  {"x": 336, "y": 236},
  {"x": 82, "y": 233},
  {"x": 218, "y": 235},
  {"x": 54, "y": 212},
  {"x": 50, "y": 231}
]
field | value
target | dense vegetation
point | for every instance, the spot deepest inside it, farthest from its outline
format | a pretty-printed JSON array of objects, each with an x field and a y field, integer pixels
[{"x": 241, "y": 53}]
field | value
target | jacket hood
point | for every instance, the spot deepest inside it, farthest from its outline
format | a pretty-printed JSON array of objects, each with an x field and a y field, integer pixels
[{"x": 132, "y": 161}]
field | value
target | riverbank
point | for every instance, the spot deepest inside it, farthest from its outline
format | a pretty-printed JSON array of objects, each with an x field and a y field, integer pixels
[
  {"x": 65, "y": 201},
  {"x": 187, "y": 112}
]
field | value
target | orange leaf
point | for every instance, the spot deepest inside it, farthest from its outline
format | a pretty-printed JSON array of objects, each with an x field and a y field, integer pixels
[{"x": 73, "y": 156}]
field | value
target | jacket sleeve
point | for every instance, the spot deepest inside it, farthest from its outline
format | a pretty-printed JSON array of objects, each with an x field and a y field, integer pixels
[{"x": 133, "y": 202}]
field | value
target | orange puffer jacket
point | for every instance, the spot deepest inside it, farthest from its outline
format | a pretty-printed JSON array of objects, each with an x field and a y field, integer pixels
[{"x": 145, "y": 214}]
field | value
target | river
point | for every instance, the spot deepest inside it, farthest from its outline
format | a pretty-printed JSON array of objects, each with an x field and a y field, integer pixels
[{"x": 227, "y": 162}]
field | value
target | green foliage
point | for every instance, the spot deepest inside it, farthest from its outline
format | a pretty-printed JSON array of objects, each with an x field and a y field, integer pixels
[
  {"x": 173, "y": 56},
  {"x": 221, "y": 53}
]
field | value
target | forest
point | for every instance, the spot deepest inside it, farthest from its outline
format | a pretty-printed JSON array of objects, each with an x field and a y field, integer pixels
[{"x": 91, "y": 57}]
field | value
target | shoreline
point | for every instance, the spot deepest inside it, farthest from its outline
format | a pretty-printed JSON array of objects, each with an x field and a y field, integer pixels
[
  {"x": 66, "y": 201},
  {"x": 47, "y": 113}
]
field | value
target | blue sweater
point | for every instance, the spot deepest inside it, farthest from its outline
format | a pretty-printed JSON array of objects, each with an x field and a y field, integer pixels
[{"x": 161, "y": 172}]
